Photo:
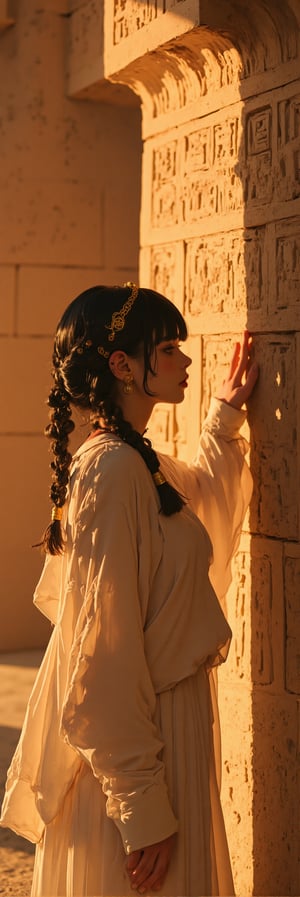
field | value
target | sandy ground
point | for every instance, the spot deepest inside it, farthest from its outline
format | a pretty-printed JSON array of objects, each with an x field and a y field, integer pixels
[{"x": 17, "y": 673}]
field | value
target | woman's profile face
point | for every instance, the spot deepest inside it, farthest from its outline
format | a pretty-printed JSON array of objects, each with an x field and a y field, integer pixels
[{"x": 170, "y": 378}]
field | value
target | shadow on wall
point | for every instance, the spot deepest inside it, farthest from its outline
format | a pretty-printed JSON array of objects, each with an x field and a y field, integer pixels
[{"x": 267, "y": 168}]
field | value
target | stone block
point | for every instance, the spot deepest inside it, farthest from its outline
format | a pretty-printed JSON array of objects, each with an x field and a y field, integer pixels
[
  {"x": 226, "y": 278},
  {"x": 165, "y": 271},
  {"x": 7, "y": 299},
  {"x": 44, "y": 293},
  {"x": 283, "y": 246},
  {"x": 195, "y": 175},
  {"x": 25, "y": 366},
  {"x": 51, "y": 223},
  {"x": 85, "y": 46}
]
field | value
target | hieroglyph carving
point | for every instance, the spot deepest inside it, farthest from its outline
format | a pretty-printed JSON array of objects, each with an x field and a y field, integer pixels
[
  {"x": 217, "y": 352},
  {"x": 273, "y": 416},
  {"x": 268, "y": 129},
  {"x": 252, "y": 585},
  {"x": 288, "y": 264},
  {"x": 197, "y": 176},
  {"x": 288, "y": 141},
  {"x": 164, "y": 185},
  {"x": 261, "y": 623},
  {"x": 131, "y": 15},
  {"x": 224, "y": 271},
  {"x": 163, "y": 270},
  {"x": 274, "y": 508},
  {"x": 259, "y": 173}
]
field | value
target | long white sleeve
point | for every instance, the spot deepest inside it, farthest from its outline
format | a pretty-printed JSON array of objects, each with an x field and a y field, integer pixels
[
  {"x": 217, "y": 485},
  {"x": 110, "y": 700}
]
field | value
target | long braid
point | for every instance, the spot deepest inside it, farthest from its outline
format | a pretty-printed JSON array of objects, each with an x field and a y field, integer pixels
[
  {"x": 171, "y": 501},
  {"x": 58, "y": 430}
]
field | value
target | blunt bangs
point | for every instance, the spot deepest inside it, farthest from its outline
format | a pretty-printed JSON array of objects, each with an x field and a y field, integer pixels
[{"x": 161, "y": 321}]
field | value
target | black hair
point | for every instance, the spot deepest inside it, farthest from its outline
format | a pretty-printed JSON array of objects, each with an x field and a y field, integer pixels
[{"x": 82, "y": 377}]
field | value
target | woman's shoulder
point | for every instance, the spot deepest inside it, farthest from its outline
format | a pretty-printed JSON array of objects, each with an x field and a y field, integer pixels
[{"x": 110, "y": 458}]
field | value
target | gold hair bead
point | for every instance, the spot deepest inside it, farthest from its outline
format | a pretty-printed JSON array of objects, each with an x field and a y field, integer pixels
[
  {"x": 158, "y": 478},
  {"x": 56, "y": 513},
  {"x": 102, "y": 352}
]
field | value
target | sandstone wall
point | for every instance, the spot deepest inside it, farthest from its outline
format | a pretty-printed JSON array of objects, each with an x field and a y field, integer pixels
[
  {"x": 220, "y": 234},
  {"x": 68, "y": 219}
]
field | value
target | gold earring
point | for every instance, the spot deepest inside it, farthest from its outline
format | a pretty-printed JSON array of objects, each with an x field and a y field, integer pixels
[{"x": 128, "y": 385}]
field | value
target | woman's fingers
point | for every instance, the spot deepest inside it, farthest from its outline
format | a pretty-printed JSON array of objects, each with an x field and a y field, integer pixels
[
  {"x": 147, "y": 868},
  {"x": 133, "y": 860},
  {"x": 242, "y": 374},
  {"x": 234, "y": 361},
  {"x": 250, "y": 381}
]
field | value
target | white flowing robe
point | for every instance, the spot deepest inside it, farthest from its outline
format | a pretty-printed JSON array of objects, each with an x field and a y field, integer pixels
[{"x": 117, "y": 747}]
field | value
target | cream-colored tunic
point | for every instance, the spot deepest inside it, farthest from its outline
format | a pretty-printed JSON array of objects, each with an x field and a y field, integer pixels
[{"x": 117, "y": 747}]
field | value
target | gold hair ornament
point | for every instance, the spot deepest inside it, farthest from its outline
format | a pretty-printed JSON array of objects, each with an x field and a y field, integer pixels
[
  {"x": 158, "y": 478},
  {"x": 117, "y": 322},
  {"x": 56, "y": 513},
  {"x": 118, "y": 318}
]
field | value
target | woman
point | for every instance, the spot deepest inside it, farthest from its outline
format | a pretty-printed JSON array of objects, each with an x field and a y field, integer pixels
[{"x": 115, "y": 774}]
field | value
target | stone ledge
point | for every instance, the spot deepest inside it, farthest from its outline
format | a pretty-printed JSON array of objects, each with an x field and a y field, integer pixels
[{"x": 7, "y": 17}]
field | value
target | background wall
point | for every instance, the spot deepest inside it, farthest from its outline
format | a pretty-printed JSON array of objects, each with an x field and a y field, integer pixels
[{"x": 69, "y": 214}]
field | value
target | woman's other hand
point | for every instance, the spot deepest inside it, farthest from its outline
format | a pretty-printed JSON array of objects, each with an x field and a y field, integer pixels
[
  {"x": 242, "y": 375},
  {"x": 147, "y": 868}
]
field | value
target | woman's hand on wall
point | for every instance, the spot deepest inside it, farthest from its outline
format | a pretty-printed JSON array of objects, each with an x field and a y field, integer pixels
[
  {"x": 147, "y": 868},
  {"x": 242, "y": 375}
]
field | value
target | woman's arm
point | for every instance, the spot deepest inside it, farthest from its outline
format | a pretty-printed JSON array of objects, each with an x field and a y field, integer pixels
[
  {"x": 110, "y": 701},
  {"x": 218, "y": 484}
]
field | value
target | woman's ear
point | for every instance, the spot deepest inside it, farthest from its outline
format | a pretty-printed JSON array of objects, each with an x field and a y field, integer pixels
[{"x": 119, "y": 364}]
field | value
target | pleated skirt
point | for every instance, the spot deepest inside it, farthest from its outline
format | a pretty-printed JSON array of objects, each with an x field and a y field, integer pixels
[{"x": 81, "y": 852}]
